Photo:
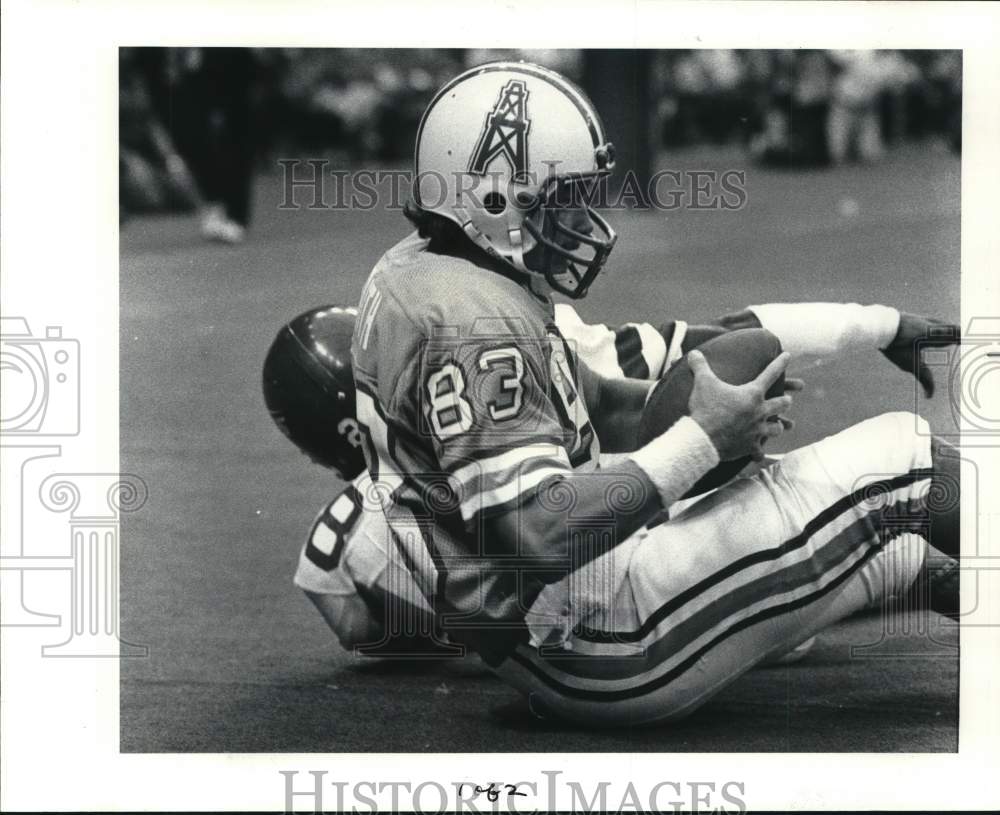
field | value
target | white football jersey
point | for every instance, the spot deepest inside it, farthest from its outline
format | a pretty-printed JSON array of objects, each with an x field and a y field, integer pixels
[{"x": 351, "y": 550}]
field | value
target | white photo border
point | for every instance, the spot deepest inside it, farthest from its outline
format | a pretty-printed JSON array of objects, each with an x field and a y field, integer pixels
[{"x": 60, "y": 265}]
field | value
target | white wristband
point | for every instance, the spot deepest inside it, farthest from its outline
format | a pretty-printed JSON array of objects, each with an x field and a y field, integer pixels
[{"x": 675, "y": 460}]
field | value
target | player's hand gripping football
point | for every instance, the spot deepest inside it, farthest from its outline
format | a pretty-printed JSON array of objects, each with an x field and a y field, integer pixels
[
  {"x": 739, "y": 418},
  {"x": 904, "y": 351}
]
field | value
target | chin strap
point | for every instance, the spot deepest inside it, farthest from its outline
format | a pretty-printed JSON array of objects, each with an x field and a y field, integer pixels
[
  {"x": 472, "y": 231},
  {"x": 514, "y": 232},
  {"x": 515, "y": 235}
]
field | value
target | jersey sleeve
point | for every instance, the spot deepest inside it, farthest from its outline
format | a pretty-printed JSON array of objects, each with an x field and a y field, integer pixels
[
  {"x": 630, "y": 350},
  {"x": 324, "y": 567},
  {"x": 353, "y": 571}
]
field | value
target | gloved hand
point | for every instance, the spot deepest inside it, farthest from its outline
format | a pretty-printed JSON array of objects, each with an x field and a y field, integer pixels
[{"x": 904, "y": 351}]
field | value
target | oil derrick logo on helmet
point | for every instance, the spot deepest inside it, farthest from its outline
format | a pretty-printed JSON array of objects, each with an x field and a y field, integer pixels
[
  {"x": 505, "y": 133},
  {"x": 505, "y": 178}
]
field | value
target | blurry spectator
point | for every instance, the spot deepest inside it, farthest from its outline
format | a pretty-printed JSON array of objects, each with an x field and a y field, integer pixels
[
  {"x": 152, "y": 176},
  {"x": 211, "y": 102},
  {"x": 708, "y": 95},
  {"x": 854, "y": 122},
  {"x": 794, "y": 124},
  {"x": 831, "y": 106},
  {"x": 362, "y": 102},
  {"x": 934, "y": 98},
  {"x": 706, "y": 82},
  {"x": 219, "y": 108}
]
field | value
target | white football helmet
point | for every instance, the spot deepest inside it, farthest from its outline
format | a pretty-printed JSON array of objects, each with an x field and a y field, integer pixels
[{"x": 501, "y": 150}]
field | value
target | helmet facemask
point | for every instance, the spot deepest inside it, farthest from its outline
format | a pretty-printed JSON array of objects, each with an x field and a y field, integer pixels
[{"x": 572, "y": 240}]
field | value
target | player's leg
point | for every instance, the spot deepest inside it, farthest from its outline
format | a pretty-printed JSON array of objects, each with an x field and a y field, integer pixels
[
  {"x": 838, "y": 132},
  {"x": 946, "y": 490},
  {"x": 624, "y": 685},
  {"x": 753, "y": 569},
  {"x": 870, "y": 145},
  {"x": 938, "y": 585}
]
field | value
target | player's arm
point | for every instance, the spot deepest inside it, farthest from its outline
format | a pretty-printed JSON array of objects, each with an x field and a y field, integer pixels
[
  {"x": 359, "y": 619},
  {"x": 358, "y": 613},
  {"x": 325, "y": 578},
  {"x": 820, "y": 329},
  {"x": 349, "y": 617},
  {"x": 330, "y": 588},
  {"x": 828, "y": 329},
  {"x": 816, "y": 330},
  {"x": 499, "y": 417},
  {"x": 615, "y": 407},
  {"x": 501, "y": 421},
  {"x": 805, "y": 329},
  {"x": 631, "y": 350},
  {"x": 362, "y": 593},
  {"x": 341, "y": 568},
  {"x": 725, "y": 422}
]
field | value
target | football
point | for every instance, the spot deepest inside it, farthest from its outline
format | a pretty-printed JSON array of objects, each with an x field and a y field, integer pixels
[{"x": 737, "y": 358}]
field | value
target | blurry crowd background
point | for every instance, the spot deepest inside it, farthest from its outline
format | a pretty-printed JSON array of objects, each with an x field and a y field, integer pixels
[{"x": 196, "y": 124}]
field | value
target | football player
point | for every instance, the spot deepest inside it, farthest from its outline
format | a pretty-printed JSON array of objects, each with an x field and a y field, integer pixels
[
  {"x": 348, "y": 567},
  {"x": 482, "y": 430},
  {"x": 344, "y": 568}
]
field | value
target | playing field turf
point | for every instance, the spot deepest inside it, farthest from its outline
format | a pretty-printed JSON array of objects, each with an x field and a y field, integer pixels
[{"x": 239, "y": 660}]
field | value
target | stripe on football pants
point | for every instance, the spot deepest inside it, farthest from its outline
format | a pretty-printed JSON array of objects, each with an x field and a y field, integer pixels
[
  {"x": 824, "y": 518},
  {"x": 592, "y": 693},
  {"x": 848, "y": 546},
  {"x": 800, "y": 579}
]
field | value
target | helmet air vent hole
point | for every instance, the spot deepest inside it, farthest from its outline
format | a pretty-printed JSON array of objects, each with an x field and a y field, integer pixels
[{"x": 494, "y": 203}]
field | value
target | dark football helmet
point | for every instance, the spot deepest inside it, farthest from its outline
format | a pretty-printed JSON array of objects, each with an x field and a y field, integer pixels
[{"x": 309, "y": 388}]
